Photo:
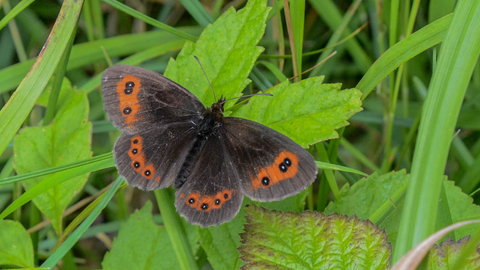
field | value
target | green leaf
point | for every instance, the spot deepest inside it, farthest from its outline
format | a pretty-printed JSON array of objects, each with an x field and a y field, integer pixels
[
  {"x": 227, "y": 50},
  {"x": 462, "y": 208},
  {"x": 365, "y": 197},
  {"x": 142, "y": 244},
  {"x": 66, "y": 140},
  {"x": 221, "y": 243},
  {"x": 307, "y": 112},
  {"x": 442, "y": 256},
  {"x": 16, "y": 248},
  {"x": 312, "y": 241}
]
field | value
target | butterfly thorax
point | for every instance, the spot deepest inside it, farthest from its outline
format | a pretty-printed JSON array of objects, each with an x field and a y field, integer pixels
[{"x": 209, "y": 125}]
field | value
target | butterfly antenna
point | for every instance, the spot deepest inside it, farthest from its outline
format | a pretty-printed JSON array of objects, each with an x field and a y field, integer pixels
[
  {"x": 257, "y": 94},
  {"x": 198, "y": 60}
]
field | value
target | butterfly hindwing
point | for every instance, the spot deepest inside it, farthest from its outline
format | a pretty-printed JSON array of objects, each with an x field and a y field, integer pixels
[
  {"x": 211, "y": 194},
  {"x": 138, "y": 99},
  {"x": 152, "y": 159},
  {"x": 271, "y": 165}
]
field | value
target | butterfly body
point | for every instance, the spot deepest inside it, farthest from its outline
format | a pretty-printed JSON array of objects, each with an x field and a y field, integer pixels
[
  {"x": 168, "y": 136},
  {"x": 209, "y": 126}
]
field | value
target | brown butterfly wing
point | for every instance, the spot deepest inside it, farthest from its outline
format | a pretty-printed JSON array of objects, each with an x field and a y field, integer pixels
[
  {"x": 138, "y": 99},
  {"x": 158, "y": 118},
  {"x": 270, "y": 165},
  {"x": 152, "y": 159},
  {"x": 211, "y": 194}
]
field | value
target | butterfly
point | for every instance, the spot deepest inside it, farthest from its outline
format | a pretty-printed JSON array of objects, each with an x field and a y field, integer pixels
[{"x": 169, "y": 136}]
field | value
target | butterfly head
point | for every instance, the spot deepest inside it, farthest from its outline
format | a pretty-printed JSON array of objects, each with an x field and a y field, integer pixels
[{"x": 217, "y": 109}]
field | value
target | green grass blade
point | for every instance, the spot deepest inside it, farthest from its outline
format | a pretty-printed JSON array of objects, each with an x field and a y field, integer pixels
[
  {"x": 21, "y": 103},
  {"x": 90, "y": 52},
  {"x": 17, "y": 9},
  {"x": 332, "y": 17},
  {"x": 136, "y": 59},
  {"x": 30, "y": 175},
  {"x": 458, "y": 57},
  {"x": 297, "y": 10},
  {"x": 401, "y": 52},
  {"x": 173, "y": 224},
  {"x": 53, "y": 181},
  {"x": 330, "y": 166},
  {"x": 74, "y": 237},
  {"x": 198, "y": 12},
  {"x": 334, "y": 39},
  {"x": 132, "y": 12}
]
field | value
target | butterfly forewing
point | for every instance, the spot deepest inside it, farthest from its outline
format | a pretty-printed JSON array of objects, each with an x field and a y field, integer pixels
[
  {"x": 138, "y": 99},
  {"x": 158, "y": 118},
  {"x": 271, "y": 166}
]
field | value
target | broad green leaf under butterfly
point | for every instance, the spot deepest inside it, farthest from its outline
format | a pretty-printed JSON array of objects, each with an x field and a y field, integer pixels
[
  {"x": 16, "y": 246},
  {"x": 311, "y": 240},
  {"x": 227, "y": 50},
  {"x": 221, "y": 243},
  {"x": 142, "y": 244},
  {"x": 368, "y": 194},
  {"x": 307, "y": 112},
  {"x": 441, "y": 257},
  {"x": 65, "y": 140}
]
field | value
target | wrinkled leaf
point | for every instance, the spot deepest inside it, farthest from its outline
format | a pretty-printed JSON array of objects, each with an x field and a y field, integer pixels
[
  {"x": 442, "y": 256},
  {"x": 227, "y": 50},
  {"x": 16, "y": 246},
  {"x": 311, "y": 240},
  {"x": 307, "y": 112},
  {"x": 67, "y": 139},
  {"x": 221, "y": 242},
  {"x": 142, "y": 244}
]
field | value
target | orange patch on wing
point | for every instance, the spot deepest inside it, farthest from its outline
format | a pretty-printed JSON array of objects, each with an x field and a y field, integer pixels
[
  {"x": 222, "y": 197},
  {"x": 182, "y": 195},
  {"x": 208, "y": 200},
  {"x": 158, "y": 179},
  {"x": 138, "y": 146},
  {"x": 195, "y": 196},
  {"x": 149, "y": 171},
  {"x": 141, "y": 162},
  {"x": 128, "y": 97},
  {"x": 273, "y": 172}
]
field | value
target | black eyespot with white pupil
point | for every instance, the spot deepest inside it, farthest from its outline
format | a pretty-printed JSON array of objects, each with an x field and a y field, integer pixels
[
  {"x": 217, "y": 202},
  {"x": 135, "y": 151},
  {"x": 191, "y": 201},
  {"x": 129, "y": 88},
  {"x": 204, "y": 206},
  {"x": 283, "y": 167},
  {"x": 287, "y": 162},
  {"x": 136, "y": 164},
  {"x": 127, "y": 110},
  {"x": 148, "y": 172},
  {"x": 265, "y": 181}
]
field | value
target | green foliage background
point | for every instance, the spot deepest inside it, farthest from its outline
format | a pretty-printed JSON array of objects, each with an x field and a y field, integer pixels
[{"x": 408, "y": 115}]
